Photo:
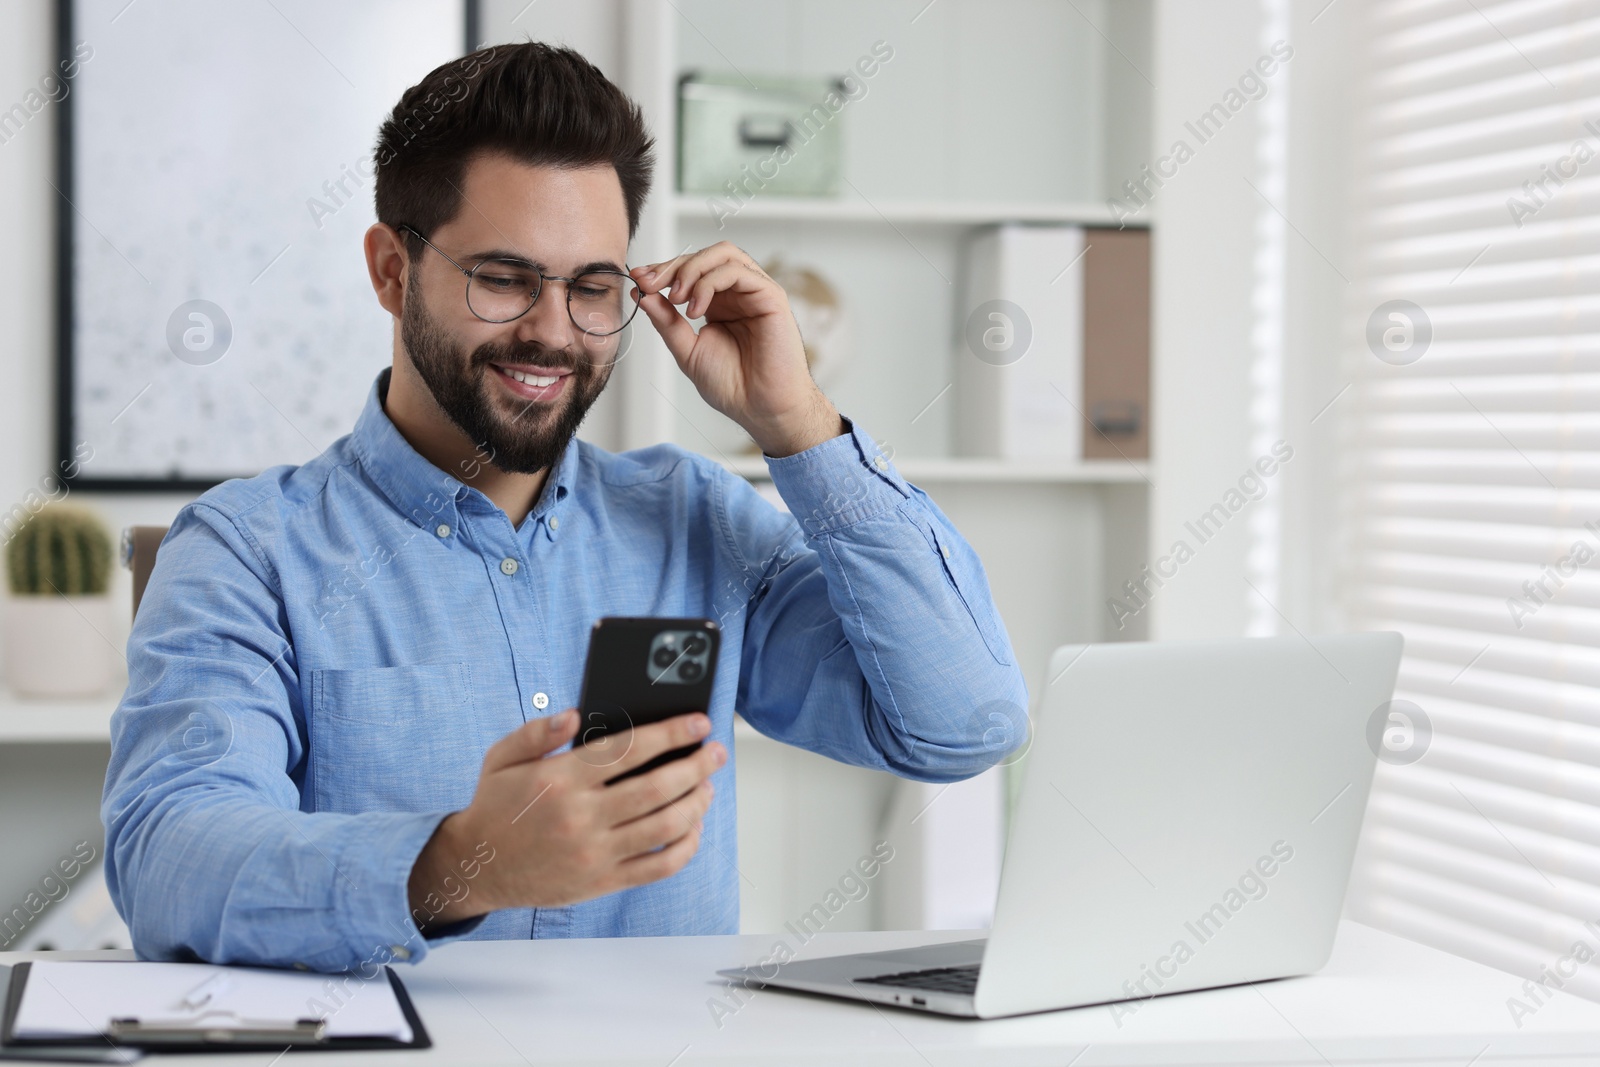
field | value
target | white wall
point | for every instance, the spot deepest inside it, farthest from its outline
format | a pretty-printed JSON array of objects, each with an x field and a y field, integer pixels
[
  {"x": 1205, "y": 270},
  {"x": 49, "y": 794},
  {"x": 1202, "y": 249},
  {"x": 27, "y": 271},
  {"x": 1323, "y": 145}
]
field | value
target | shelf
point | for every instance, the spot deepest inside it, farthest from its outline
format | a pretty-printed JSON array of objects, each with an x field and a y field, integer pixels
[
  {"x": 691, "y": 208},
  {"x": 37, "y": 720},
  {"x": 935, "y": 469},
  {"x": 26, "y": 720}
]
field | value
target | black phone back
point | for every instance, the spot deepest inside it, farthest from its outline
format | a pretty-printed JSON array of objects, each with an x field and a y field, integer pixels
[{"x": 640, "y": 671}]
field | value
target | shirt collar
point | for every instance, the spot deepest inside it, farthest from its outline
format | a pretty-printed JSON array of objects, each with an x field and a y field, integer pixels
[{"x": 419, "y": 490}]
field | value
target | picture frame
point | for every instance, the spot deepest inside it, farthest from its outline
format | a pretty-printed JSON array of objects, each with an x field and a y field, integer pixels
[{"x": 214, "y": 174}]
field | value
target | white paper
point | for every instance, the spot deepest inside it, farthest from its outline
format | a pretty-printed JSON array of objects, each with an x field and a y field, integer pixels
[{"x": 66, "y": 999}]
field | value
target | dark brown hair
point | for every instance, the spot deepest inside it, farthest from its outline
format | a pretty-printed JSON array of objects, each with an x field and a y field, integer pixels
[{"x": 536, "y": 103}]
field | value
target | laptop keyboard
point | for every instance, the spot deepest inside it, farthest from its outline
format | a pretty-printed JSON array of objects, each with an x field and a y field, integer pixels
[{"x": 963, "y": 979}]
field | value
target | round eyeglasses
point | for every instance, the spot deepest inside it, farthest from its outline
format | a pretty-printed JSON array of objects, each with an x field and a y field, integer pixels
[{"x": 599, "y": 302}]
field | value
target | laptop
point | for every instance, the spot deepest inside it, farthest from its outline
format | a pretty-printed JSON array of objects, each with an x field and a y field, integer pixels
[{"x": 1187, "y": 819}]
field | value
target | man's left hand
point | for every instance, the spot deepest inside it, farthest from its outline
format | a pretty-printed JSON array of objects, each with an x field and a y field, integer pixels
[{"x": 747, "y": 361}]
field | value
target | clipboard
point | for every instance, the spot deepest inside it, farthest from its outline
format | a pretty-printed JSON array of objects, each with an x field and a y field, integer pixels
[{"x": 161, "y": 1036}]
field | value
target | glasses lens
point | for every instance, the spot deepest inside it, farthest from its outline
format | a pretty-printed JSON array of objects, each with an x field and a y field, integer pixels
[
  {"x": 500, "y": 292},
  {"x": 602, "y": 302}
]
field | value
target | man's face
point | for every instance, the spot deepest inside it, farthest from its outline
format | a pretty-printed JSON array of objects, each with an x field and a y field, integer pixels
[{"x": 561, "y": 219}]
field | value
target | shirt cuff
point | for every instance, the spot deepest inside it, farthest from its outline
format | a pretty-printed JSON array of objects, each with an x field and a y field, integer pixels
[
  {"x": 374, "y": 906},
  {"x": 840, "y": 482}
]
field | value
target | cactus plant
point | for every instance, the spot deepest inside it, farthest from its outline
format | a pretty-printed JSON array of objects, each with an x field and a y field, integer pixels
[{"x": 60, "y": 549}]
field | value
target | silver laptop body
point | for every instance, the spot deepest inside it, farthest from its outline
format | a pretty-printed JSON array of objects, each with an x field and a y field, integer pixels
[{"x": 1187, "y": 819}]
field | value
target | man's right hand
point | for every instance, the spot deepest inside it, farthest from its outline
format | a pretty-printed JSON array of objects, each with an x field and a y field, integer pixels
[{"x": 559, "y": 834}]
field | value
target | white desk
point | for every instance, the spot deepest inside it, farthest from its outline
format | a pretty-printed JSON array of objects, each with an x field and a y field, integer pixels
[{"x": 644, "y": 1001}]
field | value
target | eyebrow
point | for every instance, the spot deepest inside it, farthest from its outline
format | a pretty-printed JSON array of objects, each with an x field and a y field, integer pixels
[{"x": 513, "y": 259}]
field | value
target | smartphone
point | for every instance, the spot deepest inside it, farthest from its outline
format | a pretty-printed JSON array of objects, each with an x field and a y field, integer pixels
[{"x": 640, "y": 671}]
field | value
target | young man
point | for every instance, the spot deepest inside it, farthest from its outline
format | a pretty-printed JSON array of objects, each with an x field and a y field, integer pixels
[{"x": 343, "y": 737}]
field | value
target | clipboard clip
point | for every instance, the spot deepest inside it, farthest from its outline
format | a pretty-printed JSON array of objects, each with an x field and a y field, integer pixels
[{"x": 136, "y": 1031}]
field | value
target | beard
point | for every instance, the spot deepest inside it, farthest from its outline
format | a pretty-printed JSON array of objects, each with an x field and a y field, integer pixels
[{"x": 520, "y": 436}]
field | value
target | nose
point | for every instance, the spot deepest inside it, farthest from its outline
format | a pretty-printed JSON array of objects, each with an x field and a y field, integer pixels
[{"x": 547, "y": 322}]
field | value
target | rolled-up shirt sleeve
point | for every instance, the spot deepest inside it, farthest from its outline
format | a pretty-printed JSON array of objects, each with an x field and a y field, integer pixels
[
  {"x": 209, "y": 853},
  {"x": 870, "y": 635}
]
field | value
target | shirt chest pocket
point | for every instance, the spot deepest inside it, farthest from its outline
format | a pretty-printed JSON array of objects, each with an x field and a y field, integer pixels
[{"x": 394, "y": 738}]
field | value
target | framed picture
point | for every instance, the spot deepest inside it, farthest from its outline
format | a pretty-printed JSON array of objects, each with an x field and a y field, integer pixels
[{"x": 215, "y": 173}]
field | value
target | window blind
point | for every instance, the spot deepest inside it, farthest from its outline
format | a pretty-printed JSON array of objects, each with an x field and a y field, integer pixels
[{"x": 1471, "y": 483}]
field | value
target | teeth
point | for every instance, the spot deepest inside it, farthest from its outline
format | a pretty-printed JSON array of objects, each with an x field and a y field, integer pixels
[{"x": 531, "y": 379}]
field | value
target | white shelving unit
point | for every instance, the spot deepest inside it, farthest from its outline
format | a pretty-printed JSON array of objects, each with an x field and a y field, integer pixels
[
  {"x": 1004, "y": 110},
  {"x": 985, "y": 471},
  {"x": 690, "y": 208},
  {"x": 958, "y": 130},
  {"x": 87, "y": 720},
  {"x": 29, "y": 720}
]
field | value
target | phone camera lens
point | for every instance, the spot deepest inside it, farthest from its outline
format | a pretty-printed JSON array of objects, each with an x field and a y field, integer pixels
[
  {"x": 690, "y": 671},
  {"x": 694, "y": 645},
  {"x": 664, "y": 657}
]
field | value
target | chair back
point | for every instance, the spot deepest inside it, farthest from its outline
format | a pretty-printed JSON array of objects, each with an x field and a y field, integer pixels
[{"x": 139, "y": 544}]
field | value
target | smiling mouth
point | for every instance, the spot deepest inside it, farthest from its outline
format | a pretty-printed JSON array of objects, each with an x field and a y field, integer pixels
[
  {"x": 540, "y": 386},
  {"x": 538, "y": 377}
]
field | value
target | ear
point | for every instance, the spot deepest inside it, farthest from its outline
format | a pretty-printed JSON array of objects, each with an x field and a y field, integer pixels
[{"x": 387, "y": 266}]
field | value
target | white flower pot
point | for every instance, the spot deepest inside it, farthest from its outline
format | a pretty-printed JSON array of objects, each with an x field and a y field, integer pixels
[{"x": 58, "y": 645}]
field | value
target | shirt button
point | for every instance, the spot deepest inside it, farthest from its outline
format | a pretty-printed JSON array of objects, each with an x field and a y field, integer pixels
[
  {"x": 555, "y": 523},
  {"x": 946, "y": 550},
  {"x": 400, "y": 952},
  {"x": 508, "y": 566},
  {"x": 881, "y": 463},
  {"x": 541, "y": 701},
  {"x": 442, "y": 530}
]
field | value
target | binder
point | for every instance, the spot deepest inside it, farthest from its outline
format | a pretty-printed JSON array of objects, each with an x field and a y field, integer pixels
[
  {"x": 1116, "y": 345},
  {"x": 1076, "y": 303},
  {"x": 185, "y": 1006},
  {"x": 1019, "y": 359}
]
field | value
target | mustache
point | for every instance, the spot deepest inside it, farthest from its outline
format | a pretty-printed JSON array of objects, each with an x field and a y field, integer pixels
[{"x": 524, "y": 357}]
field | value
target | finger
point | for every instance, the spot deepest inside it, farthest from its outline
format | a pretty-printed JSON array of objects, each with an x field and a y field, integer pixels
[
  {"x": 675, "y": 330},
  {"x": 667, "y": 784},
  {"x": 645, "y": 743},
  {"x": 654, "y": 277},
  {"x": 732, "y": 275},
  {"x": 654, "y": 866},
  {"x": 532, "y": 740},
  {"x": 685, "y": 274},
  {"x": 664, "y": 826},
  {"x": 681, "y": 272},
  {"x": 719, "y": 256}
]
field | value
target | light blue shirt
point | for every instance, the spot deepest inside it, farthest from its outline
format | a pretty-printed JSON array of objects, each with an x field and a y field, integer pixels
[{"x": 324, "y": 653}]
